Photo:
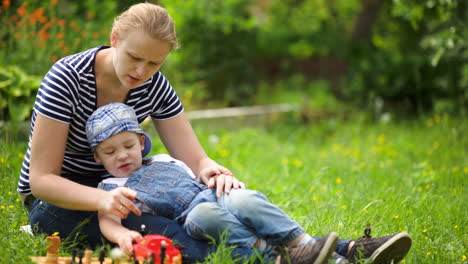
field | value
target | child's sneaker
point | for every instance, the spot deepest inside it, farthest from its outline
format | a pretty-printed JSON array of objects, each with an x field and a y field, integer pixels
[
  {"x": 337, "y": 259},
  {"x": 380, "y": 250},
  {"x": 312, "y": 253}
]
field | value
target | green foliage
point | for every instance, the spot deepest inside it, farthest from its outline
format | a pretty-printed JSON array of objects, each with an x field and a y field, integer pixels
[
  {"x": 17, "y": 93},
  {"x": 301, "y": 29},
  {"x": 416, "y": 54},
  {"x": 218, "y": 44}
]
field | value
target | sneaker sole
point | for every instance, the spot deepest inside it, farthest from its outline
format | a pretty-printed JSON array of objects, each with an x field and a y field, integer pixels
[
  {"x": 328, "y": 248},
  {"x": 392, "y": 251}
]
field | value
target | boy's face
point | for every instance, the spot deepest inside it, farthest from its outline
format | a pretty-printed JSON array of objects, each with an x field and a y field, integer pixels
[{"x": 121, "y": 153}]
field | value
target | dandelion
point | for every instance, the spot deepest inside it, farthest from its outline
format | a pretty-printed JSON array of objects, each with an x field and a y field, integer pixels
[
  {"x": 381, "y": 139},
  {"x": 298, "y": 163},
  {"x": 463, "y": 258},
  {"x": 338, "y": 180},
  {"x": 344, "y": 206},
  {"x": 336, "y": 148},
  {"x": 2, "y": 160},
  {"x": 465, "y": 170},
  {"x": 428, "y": 186},
  {"x": 2, "y": 207},
  {"x": 21, "y": 155},
  {"x": 224, "y": 153},
  {"x": 425, "y": 230},
  {"x": 396, "y": 217},
  {"x": 455, "y": 226},
  {"x": 454, "y": 170},
  {"x": 11, "y": 206}
]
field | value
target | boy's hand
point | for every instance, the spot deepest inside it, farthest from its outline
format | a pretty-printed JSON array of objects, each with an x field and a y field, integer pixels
[
  {"x": 126, "y": 240},
  {"x": 119, "y": 202}
]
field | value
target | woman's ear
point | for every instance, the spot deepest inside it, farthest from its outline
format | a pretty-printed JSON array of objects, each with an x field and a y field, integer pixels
[
  {"x": 114, "y": 37},
  {"x": 96, "y": 157}
]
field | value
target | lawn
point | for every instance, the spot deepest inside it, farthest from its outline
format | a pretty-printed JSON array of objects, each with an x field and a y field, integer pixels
[{"x": 330, "y": 175}]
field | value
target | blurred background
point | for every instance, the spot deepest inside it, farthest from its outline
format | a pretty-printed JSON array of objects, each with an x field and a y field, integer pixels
[{"x": 406, "y": 57}]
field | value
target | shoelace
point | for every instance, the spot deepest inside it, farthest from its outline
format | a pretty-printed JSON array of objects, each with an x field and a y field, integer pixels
[{"x": 367, "y": 234}]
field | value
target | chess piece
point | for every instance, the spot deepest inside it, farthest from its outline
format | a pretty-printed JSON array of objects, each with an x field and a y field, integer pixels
[
  {"x": 163, "y": 253},
  {"x": 52, "y": 249},
  {"x": 88, "y": 255},
  {"x": 102, "y": 256},
  {"x": 80, "y": 257}
]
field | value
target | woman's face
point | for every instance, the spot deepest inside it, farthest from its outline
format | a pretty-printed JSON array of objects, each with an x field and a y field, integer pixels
[{"x": 137, "y": 57}]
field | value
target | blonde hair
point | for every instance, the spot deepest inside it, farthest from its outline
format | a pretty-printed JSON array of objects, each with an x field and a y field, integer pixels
[{"x": 153, "y": 19}]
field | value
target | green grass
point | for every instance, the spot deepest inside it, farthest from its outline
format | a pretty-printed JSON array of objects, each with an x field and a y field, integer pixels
[{"x": 332, "y": 175}]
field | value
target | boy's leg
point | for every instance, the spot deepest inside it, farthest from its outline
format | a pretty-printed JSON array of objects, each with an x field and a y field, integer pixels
[
  {"x": 266, "y": 220},
  {"x": 210, "y": 220}
]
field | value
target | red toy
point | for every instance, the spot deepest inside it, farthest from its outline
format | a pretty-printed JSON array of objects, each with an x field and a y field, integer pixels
[{"x": 158, "y": 249}]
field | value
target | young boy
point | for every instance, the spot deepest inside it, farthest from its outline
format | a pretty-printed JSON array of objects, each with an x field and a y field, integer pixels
[{"x": 164, "y": 186}]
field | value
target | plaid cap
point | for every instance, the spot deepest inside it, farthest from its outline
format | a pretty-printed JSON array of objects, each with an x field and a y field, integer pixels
[{"x": 112, "y": 119}]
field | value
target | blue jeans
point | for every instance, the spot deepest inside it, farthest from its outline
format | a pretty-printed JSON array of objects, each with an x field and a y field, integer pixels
[
  {"x": 247, "y": 216},
  {"x": 47, "y": 218}
]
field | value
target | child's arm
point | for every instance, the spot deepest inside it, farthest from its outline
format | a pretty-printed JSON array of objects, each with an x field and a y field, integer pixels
[{"x": 111, "y": 227}]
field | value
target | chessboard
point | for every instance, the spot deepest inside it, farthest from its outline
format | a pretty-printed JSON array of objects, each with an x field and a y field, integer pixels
[{"x": 77, "y": 257}]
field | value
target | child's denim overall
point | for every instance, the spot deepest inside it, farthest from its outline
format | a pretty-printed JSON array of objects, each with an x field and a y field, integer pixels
[{"x": 170, "y": 192}]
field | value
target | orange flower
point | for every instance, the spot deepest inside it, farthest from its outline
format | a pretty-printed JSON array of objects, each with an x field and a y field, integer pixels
[
  {"x": 60, "y": 35},
  {"x": 53, "y": 2},
  {"x": 20, "y": 24},
  {"x": 61, "y": 44},
  {"x": 22, "y": 9},
  {"x": 90, "y": 15},
  {"x": 54, "y": 58},
  {"x": 43, "y": 34},
  {"x": 6, "y": 3},
  {"x": 95, "y": 35},
  {"x": 84, "y": 33},
  {"x": 61, "y": 22},
  {"x": 47, "y": 26}
]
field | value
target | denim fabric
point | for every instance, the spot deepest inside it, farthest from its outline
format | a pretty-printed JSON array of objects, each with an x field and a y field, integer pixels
[
  {"x": 247, "y": 214},
  {"x": 48, "y": 219},
  {"x": 166, "y": 188}
]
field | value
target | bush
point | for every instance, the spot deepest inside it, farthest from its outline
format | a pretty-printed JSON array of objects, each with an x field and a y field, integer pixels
[{"x": 17, "y": 93}]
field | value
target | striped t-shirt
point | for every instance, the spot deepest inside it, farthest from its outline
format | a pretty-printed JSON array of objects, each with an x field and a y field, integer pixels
[{"x": 68, "y": 94}]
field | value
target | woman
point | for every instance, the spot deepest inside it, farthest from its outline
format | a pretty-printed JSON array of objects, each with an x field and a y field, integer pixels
[{"x": 59, "y": 175}]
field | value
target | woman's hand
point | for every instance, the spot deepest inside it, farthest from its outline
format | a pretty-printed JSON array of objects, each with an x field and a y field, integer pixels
[
  {"x": 216, "y": 176},
  {"x": 125, "y": 241},
  {"x": 119, "y": 202}
]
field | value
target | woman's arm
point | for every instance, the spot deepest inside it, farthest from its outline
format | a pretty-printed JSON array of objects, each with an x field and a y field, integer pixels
[
  {"x": 47, "y": 153},
  {"x": 180, "y": 140}
]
